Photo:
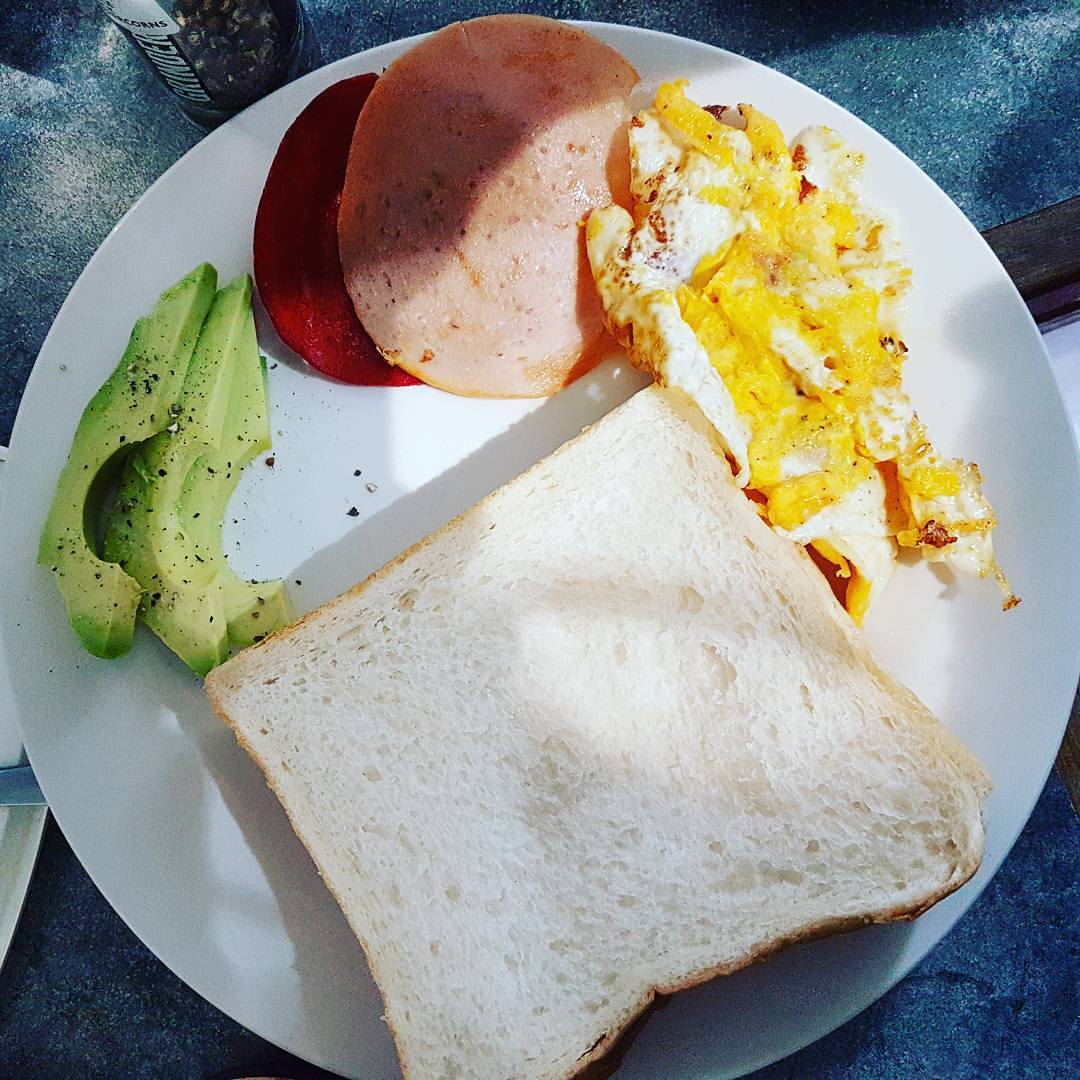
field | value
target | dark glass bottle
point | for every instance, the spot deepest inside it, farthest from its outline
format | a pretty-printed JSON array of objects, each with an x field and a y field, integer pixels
[{"x": 218, "y": 56}]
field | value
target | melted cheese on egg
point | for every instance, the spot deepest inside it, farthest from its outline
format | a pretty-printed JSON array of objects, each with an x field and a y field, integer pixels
[{"x": 752, "y": 277}]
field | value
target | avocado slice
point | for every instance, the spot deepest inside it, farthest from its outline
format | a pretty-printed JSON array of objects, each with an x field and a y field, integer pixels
[
  {"x": 165, "y": 524},
  {"x": 182, "y": 603},
  {"x": 253, "y": 609},
  {"x": 133, "y": 404},
  {"x": 142, "y": 533}
]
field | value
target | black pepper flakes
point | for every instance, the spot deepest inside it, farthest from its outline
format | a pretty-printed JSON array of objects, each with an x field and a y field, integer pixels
[{"x": 239, "y": 49}]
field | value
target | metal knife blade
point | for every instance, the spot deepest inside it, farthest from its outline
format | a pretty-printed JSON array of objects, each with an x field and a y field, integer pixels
[{"x": 19, "y": 787}]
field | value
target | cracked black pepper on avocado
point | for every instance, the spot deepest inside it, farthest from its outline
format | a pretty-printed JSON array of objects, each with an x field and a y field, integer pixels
[
  {"x": 133, "y": 404},
  {"x": 162, "y": 555}
]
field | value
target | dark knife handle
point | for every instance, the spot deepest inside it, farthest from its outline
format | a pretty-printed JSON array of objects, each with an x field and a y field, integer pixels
[{"x": 1041, "y": 253}]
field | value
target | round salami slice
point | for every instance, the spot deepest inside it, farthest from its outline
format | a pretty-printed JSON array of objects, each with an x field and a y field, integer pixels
[{"x": 297, "y": 269}]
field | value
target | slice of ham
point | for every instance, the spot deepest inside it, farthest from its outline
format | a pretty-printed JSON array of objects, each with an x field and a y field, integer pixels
[{"x": 473, "y": 163}]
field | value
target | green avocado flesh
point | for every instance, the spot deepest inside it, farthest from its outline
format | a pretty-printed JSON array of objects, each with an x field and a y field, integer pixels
[
  {"x": 164, "y": 526},
  {"x": 252, "y": 609},
  {"x": 133, "y": 404}
]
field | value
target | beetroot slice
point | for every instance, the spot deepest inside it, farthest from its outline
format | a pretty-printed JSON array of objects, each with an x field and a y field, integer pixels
[{"x": 297, "y": 268}]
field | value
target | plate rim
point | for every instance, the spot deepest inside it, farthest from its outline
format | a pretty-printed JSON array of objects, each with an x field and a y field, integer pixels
[{"x": 973, "y": 890}]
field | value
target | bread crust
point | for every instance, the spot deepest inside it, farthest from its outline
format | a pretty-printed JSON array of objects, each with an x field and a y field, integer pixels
[
  {"x": 608, "y": 1040},
  {"x": 247, "y": 746},
  {"x": 813, "y": 932}
]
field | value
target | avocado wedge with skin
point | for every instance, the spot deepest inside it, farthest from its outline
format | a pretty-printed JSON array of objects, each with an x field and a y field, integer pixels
[
  {"x": 133, "y": 404},
  {"x": 165, "y": 524}
]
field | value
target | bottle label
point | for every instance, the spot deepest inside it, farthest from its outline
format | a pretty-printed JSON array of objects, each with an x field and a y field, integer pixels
[
  {"x": 141, "y": 16},
  {"x": 153, "y": 29}
]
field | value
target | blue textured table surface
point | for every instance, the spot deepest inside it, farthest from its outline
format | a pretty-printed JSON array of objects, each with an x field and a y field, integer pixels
[{"x": 984, "y": 96}]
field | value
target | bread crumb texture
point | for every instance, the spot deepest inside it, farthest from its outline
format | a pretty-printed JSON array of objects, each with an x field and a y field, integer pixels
[{"x": 605, "y": 733}]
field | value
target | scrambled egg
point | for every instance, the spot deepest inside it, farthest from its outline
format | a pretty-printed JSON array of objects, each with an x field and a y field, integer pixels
[{"x": 752, "y": 277}]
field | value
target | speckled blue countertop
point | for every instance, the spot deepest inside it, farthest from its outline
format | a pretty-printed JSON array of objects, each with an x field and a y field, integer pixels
[{"x": 984, "y": 96}]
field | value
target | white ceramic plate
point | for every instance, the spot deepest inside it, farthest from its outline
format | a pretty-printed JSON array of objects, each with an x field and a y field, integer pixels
[{"x": 173, "y": 822}]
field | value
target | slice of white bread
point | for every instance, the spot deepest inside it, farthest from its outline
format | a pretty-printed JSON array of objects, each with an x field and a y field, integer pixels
[{"x": 604, "y": 734}]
